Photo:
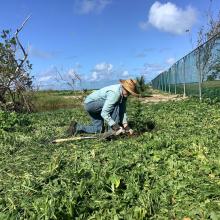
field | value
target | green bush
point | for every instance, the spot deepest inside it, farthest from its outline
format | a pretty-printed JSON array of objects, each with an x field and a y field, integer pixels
[{"x": 9, "y": 121}]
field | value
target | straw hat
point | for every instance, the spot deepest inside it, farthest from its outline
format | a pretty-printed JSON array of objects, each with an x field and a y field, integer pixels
[{"x": 130, "y": 86}]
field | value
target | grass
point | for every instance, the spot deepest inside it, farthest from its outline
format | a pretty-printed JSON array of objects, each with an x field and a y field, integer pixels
[
  {"x": 170, "y": 173},
  {"x": 210, "y": 89},
  {"x": 53, "y": 100}
]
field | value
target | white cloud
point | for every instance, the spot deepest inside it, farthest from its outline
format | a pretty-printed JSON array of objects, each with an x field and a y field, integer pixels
[
  {"x": 102, "y": 71},
  {"x": 106, "y": 72},
  {"x": 90, "y": 6},
  {"x": 170, "y": 18},
  {"x": 151, "y": 70},
  {"x": 170, "y": 61},
  {"x": 44, "y": 78},
  {"x": 95, "y": 76},
  {"x": 57, "y": 78},
  {"x": 103, "y": 67},
  {"x": 71, "y": 73},
  {"x": 125, "y": 73},
  {"x": 47, "y": 74}
]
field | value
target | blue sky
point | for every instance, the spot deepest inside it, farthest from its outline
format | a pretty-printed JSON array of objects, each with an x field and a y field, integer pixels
[{"x": 104, "y": 40}]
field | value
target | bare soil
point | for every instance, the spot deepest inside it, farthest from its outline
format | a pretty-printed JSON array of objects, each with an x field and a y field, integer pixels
[
  {"x": 155, "y": 98},
  {"x": 73, "y": 97}
]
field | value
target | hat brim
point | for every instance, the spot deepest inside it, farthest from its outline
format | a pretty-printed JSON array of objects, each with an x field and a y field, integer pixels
[{"x": 128, "y": 89}]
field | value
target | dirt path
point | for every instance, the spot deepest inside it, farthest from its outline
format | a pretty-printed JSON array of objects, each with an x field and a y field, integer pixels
[
  {"x": 73, "y": 97},
  {"x": 155, "y": 98}
]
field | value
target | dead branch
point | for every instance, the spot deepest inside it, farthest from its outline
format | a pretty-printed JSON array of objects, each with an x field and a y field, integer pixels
[{"x": 19, "y": 43}]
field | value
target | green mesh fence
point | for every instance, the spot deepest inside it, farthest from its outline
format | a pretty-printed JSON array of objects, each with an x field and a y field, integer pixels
[{"x": 196, "y": 74}]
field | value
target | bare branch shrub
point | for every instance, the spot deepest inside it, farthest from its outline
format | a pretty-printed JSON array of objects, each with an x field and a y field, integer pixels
[{"x": 15, "y": 79}]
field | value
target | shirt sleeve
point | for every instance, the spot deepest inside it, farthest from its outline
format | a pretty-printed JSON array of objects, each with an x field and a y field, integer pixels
[{"x": 111, "y": 99}]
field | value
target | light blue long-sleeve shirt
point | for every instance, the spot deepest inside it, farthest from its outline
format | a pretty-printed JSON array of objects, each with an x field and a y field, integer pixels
[{"x": 110, "y": 95}]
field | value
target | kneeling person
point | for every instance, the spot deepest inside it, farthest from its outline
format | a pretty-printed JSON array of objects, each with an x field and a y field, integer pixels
[{"x": 107, "y": 104}]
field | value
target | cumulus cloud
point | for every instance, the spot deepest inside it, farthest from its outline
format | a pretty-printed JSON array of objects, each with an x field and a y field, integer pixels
[
  {"x": 125, "y": 73},
  {"x": 57, "y": 78},
  {"x": 106, "y": 72},
  {"x": 49, "y": 73},
  {"x": 170, "y": 61},
  {"x": 72, "y": 74},
  {"x": 101, "y": 71},
  {"x": 90, "y": 6},
  {"x": 150, "y": 70},
  {"x": 170, "y": 18},
  {"x": 103, "y": 67},
  {"x": 44, "y": 78}
]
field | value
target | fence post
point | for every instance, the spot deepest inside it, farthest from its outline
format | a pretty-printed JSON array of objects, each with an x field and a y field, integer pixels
[
  {"x": 175, "y": 76},
  {"x": 200, "y": 83},
  {"x": 184, "y": 77},
  {"x": 169, "y": 78},
  {"x": 165, "y": 76},
  {"x": 159, "y": 83},
  {"x": 200, "y": 75}
]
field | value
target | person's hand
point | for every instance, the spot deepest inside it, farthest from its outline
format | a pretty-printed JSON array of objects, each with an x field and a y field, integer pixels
[
  {"x": 128, "y": 129},
  {"x": 118, "y": 129}
]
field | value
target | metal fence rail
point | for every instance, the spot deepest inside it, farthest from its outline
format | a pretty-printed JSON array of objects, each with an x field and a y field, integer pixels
[{"x": 196, "y": 74}]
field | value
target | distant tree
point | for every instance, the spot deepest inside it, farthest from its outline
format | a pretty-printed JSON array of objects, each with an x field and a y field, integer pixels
[
  {"x": 15, "y": 79},
  {"x": 216, "y": 66},
  {"x": 142, "y": 87},
  {"x": 208, "y": 38},
  {"x": 70, "y": 78},
  {"x": 140, "y": 84},
  {"x": 211, "y": 77}
]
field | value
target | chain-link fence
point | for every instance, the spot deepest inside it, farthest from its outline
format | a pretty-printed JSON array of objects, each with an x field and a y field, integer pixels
[{"x": 196, "y": 74}]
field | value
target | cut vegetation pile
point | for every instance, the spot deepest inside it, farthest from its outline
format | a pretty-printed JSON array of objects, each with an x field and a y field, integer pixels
[{"x": 171, "y": 172}]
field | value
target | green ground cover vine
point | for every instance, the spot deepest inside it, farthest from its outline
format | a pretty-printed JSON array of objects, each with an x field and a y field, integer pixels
[{"x": 171, "y": 172}]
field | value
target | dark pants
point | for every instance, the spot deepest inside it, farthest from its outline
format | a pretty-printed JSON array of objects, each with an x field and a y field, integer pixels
[{"x": 94, "y": 109}]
